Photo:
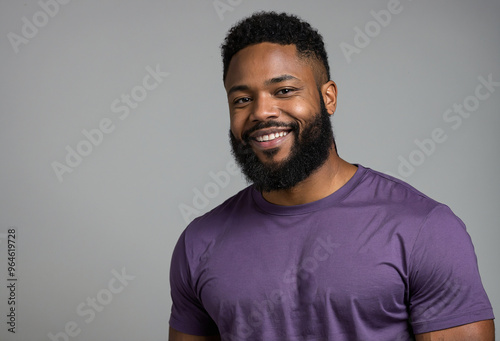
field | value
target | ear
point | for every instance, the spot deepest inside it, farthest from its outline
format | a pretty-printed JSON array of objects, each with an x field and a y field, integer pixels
[{"x": 329, "y": 92}]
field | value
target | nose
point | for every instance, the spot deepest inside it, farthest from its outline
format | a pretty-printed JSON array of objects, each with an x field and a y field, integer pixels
[{"x": 264, "y": 108}]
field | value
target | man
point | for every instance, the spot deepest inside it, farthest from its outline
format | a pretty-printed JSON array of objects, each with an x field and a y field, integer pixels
[{"x": 316, "y": 248}]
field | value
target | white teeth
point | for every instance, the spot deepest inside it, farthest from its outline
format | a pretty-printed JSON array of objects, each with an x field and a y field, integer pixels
[{"x": 271, "y": 136}]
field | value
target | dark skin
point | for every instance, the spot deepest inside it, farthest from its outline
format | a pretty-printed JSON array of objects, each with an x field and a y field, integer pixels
[
  {"x": 174, "y": 335},
  {"x": 268, "y": 81},
  {"x": 477, "y": 331},
  {"x": 271, "y": 82}
]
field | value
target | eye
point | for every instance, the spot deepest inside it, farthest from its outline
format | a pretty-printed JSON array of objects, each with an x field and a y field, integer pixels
[
  {"x": 284, "y": 91},
  {"x": 242, "y": 100}
]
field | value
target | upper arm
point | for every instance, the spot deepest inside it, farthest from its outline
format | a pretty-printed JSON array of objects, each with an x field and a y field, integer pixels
[
  {"x": 175, "y": 335},
  {"x": 445, "y": 288},
  {"x": 477, "y": 331},
  {"x": 188, "y": 313}
]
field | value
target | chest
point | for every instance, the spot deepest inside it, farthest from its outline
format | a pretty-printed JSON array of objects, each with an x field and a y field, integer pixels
[{"x": 297, "y": 280}]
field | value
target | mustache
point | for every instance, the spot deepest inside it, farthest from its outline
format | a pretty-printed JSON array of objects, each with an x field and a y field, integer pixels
[{"x": 268, "y": 124}]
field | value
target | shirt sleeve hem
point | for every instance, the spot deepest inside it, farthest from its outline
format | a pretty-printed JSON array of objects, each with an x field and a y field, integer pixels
[
  {"x": 455, "y": 321},
  {"x": 192, "y": 330}
]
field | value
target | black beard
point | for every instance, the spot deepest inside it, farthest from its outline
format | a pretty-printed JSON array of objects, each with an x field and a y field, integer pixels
[{"x": 310, "y": 150}]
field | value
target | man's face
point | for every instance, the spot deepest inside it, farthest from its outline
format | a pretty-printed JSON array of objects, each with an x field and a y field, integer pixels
[{"x": 280, "y": 129}]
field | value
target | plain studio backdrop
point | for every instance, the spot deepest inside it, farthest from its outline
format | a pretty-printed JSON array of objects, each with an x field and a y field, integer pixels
[{"x": 114, "y": 135}]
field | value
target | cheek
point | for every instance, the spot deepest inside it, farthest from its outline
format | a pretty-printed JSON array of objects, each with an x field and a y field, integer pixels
[
  {"x": 236, "y": 127},
  {"x": 238, "y": 121},
  {"x": 302, "y": 111}
]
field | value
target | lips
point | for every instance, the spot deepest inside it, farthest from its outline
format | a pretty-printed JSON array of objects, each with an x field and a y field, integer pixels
[
  {"x": 269, "y": 137},
  {"x": 269, "y": 133}
]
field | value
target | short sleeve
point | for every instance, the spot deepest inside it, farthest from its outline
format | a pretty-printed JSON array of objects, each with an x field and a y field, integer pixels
[
  {"x": 188, "y": 315},
  {"x": 445, "y": 288}
]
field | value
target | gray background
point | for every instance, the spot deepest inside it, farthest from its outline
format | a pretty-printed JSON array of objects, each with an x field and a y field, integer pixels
[{"x": 120, "y": 208}]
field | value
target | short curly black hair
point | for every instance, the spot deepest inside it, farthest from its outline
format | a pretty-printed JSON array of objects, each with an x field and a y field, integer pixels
[{"x": 279, "y": 28}]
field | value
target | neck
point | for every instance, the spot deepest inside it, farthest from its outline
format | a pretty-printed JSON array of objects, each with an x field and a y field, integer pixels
[{"x": 327, "y": 179}]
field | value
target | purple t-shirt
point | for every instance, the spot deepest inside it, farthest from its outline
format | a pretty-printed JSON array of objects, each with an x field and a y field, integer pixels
[{"x": 376, "y": 260}]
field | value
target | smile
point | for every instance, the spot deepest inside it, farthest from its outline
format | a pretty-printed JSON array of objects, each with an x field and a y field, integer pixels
[{"x": 270, "y": 137}]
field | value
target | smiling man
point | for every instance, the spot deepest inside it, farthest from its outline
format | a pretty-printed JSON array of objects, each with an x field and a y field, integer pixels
[{"x": 315, "y": 248}]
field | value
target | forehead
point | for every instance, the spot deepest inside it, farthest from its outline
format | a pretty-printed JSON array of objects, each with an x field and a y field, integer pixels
[{"x": 261, "y": 62}]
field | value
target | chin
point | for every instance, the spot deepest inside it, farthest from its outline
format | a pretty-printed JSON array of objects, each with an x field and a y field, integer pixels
[{"x": 274, "y": 158}]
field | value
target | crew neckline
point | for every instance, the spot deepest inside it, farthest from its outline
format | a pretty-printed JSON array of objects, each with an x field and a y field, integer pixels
[{"x": 327, "y": 201}]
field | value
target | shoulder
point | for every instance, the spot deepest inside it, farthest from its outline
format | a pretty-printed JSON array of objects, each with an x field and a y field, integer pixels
[
  {"x": 213, "y": 223},
  {"x": 399, "y": 204},
  {"x": 383, "y": 190},
  {"x": 201, "y": 235}
]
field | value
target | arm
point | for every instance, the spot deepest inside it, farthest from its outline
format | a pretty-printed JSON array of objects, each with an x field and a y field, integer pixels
[
  {"x": 174, "y": 335},
  {"x": 188, "y": 313},
  {"x": 477, "y": 331},
  {"x": 447, "y": 298}
]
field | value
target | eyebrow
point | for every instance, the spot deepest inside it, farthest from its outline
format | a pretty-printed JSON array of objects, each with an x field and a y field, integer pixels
[
  {"x": 237, "y": 88},
  {"x": 280, "y": 79},
  {"x": 273, "y": 80}
]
